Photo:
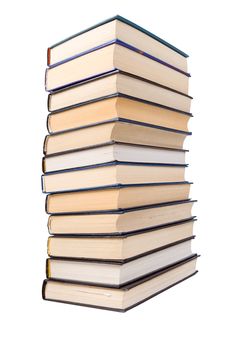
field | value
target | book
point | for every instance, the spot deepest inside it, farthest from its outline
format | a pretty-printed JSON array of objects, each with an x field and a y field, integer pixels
[
  {"x": 116, "y": 107},
  {"x": 120, "y": 131},
  {"x": 110, "y": 175},
  {"x": 112, "y": 152},
  {"x": 119, "y": 29},
  {"x": 113, "y": 273},
  {"x": 123, "y": 298},
  {"x": 109, "y": 58},
  {"x": 119, "y": 83},
  {"x": 119, "y": 248},
  {"x": 119, "y": 222},
  {"x": 116, "y": 197}
]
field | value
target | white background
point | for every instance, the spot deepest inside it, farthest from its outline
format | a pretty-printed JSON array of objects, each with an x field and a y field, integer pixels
[{"x": 194, "y": 315}]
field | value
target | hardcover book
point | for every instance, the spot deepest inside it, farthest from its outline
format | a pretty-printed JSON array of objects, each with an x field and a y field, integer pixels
[
  {"x": 119, "y": 222},
  {"x": 112, "y": 153},
  {"x": 111, "y": 175},
  {"x": 116, "y": 198}
]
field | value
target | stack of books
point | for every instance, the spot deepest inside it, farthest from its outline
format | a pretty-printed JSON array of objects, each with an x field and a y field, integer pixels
[{"x": 121, "y": 220}]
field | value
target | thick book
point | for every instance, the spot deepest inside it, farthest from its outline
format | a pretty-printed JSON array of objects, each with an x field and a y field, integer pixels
[
  {"x": 117, "y": 130},
  {"x": 112, "y": 153},
  {"x": 119, "y": 222},
  {"x": 114, "y": 273},
  {"x": 116, "y": 197},
  {"x": 119, "y": 248},
  {"x": 122, "y": 83},
  {"x": 122, "y": 30},
  {"x": 122, "y": 298},
  {"x": 110, "y": 175},
  {"x": 110, "y": 57},
  {"x": 116, "y": 107}
]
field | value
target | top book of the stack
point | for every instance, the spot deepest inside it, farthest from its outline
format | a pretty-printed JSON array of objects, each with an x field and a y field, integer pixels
[{"x": 116, "y": 44}]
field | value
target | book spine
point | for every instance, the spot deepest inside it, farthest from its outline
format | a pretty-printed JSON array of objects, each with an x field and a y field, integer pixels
[
  {"x": 45, "y": 80},
  {"x": 48, "y": 102},
  {"x": 48, "y": 246},
  {"x": 45, "y": 144},
  {"x": 48, "y": 226},
  {"x": 42, "y": 184},
  {"x": 46, "y": 204},
  {"x": 48, "y": 274},
  {"x": 43, "y": 289},
  {"x": 48, "y": 124},
  {"x": 43, "y": 167},
  {"x": 48, "y": 56}
]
